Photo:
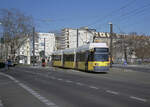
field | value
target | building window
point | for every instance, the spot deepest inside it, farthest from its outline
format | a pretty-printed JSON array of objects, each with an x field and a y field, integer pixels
[{"x": 42, "y": 44}]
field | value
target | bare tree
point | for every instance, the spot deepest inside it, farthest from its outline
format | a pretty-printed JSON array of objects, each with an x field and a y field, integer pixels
[
  {"x": 15, "y": 25},
  {"x": 142, "y": 48},
  {"x": 133, "y": 44},
  {"x": 120, "y": 46}
]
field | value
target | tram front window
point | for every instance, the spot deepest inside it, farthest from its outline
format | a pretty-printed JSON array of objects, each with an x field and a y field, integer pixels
[
  {"x": 101, "y": 57},
  {"x": 101, "y": 49}
]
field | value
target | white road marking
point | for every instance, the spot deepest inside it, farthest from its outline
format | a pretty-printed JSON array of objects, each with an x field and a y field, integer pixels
[
  {"x": 68, "y": 81},
  {"x": 139, "y": 99},
  {"x": 31, "y": 91},
  {"x": 47, "y": 102},
  {"x": 59, "y": 79},
  {"x": 112, "y": 92},
  {"x": 74, "y": 71},
  {"x": 5, "y": 83},
  {"x": 107, "y": 77},
  {"x": 93, "y": 87},
  {"x": 78, "y": 83},
  {"x": 1, "y": 104}
]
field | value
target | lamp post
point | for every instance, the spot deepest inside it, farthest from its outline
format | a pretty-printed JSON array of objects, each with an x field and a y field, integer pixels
[
  {"x": 111, "y": 45},
  {"x": 1, "y": 44},
  {"x": 44, "y": 48},
  {"x": 33, "y": 36},
  {"x": 77, "y": 38}
]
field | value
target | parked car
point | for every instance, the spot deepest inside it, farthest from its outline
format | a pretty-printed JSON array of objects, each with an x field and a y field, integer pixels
[
  {"x": 2, "y": 64},
  {"x": 13, "y": 64}
]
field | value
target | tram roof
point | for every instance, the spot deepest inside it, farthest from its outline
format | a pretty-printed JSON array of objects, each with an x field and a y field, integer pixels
[
  {"x": 81, "y": 48},
  {"x": 91, "y": 46},
  {"x": 69, "y": 51},
  {"x": 58, "y": 52}
]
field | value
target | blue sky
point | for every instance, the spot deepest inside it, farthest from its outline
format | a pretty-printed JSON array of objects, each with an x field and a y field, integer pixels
[{"x": 50, "y": 15}]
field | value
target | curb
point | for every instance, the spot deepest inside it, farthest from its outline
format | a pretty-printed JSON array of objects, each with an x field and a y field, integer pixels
[
  {"x": 1, "y": 104},
  {"x": 121, "y": 69}
]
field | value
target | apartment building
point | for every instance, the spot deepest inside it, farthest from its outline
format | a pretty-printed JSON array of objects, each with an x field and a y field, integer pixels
[
  {"x": 71, "y": 38},
  {"x": 23, "y": 52},
  {"x": 44, "y": 42}
]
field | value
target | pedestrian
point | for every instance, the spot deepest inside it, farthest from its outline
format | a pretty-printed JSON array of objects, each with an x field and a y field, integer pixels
[
  {"x": 43, "y": 62},
  {"x": 125, "y": 62},
  {"x": 8, "y": 62}
]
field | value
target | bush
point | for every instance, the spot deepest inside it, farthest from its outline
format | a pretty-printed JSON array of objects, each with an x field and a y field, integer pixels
[{"x": 2, "y": 64}]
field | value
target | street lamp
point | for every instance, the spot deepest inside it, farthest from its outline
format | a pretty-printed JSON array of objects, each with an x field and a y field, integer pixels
[
  {"x": 44, "y": 48},
  {"x": 1, "y": 44},
  {"x": 111, "y": 45}
]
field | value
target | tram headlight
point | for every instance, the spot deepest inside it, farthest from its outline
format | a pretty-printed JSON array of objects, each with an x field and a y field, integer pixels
[{"x": 96, "y": 64}]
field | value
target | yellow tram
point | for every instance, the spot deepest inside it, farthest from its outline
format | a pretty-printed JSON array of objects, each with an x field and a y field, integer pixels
[
  {"x": 91, "y": 57},
  {"x": 57, "y": 58}
]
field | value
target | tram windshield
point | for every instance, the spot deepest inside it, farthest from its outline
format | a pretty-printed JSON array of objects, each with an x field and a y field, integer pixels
[
  {"x": 101, "y": 57},
  {"x": 101, "y": 50}
]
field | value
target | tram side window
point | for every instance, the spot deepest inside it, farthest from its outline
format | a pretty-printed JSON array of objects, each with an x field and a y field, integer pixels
[
  {"x": 64, "y": 56},
  {"x": 81, "y": 56},
  {"x": 78, "y": 57},
  {"x": 69, "y": 57},
  {"x": 52, "y": 57},
  {"x": 57, "y": 57},
  {"x": 72, "y": 57}
]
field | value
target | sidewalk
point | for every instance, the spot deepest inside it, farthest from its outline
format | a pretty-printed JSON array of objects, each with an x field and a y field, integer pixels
[
  {"x": 14, "y": 93},
  {"x": 132, "y": 65},
  {"x": 142, "y": 68}
]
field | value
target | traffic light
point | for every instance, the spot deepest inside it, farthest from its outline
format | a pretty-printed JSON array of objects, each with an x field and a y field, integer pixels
[{"x": 2, "y": 40}]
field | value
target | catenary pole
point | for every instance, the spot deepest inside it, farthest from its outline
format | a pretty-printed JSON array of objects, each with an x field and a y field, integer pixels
[
  {"x": 33, "y": 46},
  {"x": 111, "y": 44},
  {"x": 44, "y": 47},
  {"x": 77, "y": 38}
]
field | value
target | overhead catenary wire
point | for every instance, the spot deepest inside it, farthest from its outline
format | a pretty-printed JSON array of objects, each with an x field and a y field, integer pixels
[
  {"x": 134, "y": 12},
  {"x": 120, "y": 15},
  {"x": 108, "y": 15},
  {"x": 140, "y": 11},
  {"x": 135, "y": 22},
  {"x": 112, "y": 13}
]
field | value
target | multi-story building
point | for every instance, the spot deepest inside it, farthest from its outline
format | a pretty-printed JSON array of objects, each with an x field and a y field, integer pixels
[
  {"x": 70, "y": 39},
  {"x": 36, "y": 48},
  {"x": 102, "y": 37},
  {"x": 122, "y": 50},
  {"x": 85, "y": 35},
  {"x": 23, "y": 52},
  {"x": 46, "y": 43}
]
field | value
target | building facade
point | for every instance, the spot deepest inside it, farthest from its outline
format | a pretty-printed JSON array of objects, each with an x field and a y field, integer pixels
[
  {"x": 44, "y": 46},
  {"x": 71, "y": 38},
  {"x": 46, "y": 43},
  {"x": 23, "y": 52}
]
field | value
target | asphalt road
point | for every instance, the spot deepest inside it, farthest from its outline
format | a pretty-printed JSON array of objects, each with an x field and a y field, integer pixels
[
  {"x": 140, "y": 68},
  {"x": 56, "y": 87}
]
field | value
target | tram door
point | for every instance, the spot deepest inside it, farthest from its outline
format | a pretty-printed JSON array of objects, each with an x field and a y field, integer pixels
[{"x": 86, "y": 60}]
